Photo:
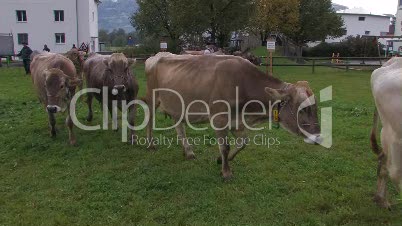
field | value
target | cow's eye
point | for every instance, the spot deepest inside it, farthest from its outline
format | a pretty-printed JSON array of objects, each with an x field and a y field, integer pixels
[{"x": 62, "y": 86}]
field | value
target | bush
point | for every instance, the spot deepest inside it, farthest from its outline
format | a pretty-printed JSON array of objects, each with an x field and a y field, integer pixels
[{"x": 350, "y": 47}]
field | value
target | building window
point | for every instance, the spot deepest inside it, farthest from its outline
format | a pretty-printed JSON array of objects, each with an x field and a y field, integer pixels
[
  {"x": 93, "y": 15},
  {"x": 367, "y": 32},
  {"x": 362, "y": 18},
  {"x": 21, "y": 16},
  {"x": 59, "y": 15},
  {"x": 60, "y": 38},
  {"x": 22, "y": 38}
]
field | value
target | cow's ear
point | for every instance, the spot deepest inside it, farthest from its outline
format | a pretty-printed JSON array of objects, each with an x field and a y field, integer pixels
[
  {"x": 74, "y": 82},
  {"x": 278, "y": 94},
  {"x": 106, "y": 62}
]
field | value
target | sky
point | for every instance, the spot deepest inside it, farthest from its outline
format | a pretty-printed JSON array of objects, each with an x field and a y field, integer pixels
[{"x": 373, "y": 6}]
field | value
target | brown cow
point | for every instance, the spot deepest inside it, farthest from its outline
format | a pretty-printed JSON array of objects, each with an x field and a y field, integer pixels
[
  {"x": 215, "y": 78},
  {"x": 113, "y": 72},
  {"x": 77, "y": 57},
  {"x": 55, "y": 80}
]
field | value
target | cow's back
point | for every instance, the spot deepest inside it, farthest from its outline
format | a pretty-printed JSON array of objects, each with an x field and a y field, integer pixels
[
  {"x": 205, "y": 78},
  {"x": 94, "y": 69},
  {"x": 386, "y": 85}
]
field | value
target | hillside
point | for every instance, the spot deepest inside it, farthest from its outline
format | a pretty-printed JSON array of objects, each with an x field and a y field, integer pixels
[{"x": 114, "y": 14}]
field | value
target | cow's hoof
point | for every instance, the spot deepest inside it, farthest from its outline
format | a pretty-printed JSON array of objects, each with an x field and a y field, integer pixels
[
  {"x": 53, "y": 134},
  {"x": 219, "y": 160},
  {"x": 133, "y": 142},
  {"x": 382, "y": 202},
  {"x": 73, "y": 142},
  {"x": 190, "y": 156},
  {"x": 227, "y": 176},
  {"x": 152, "y": 148}
]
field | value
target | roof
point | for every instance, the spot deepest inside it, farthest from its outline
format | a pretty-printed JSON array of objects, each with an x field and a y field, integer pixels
[{"x": 365, "y": 14}]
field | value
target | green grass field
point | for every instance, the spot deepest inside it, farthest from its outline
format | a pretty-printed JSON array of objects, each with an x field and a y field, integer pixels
[{"x": 105, "y": 182}]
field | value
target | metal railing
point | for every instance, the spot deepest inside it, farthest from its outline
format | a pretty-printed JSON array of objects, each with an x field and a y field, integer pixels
[{"x": 338, "y": 62}]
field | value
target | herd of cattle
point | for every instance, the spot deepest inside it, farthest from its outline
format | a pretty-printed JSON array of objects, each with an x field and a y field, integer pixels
[{"x": 222, "y": 82}]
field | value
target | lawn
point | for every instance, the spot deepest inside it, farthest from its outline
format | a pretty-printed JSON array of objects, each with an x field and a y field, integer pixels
[{"x": 45, "y": 181}]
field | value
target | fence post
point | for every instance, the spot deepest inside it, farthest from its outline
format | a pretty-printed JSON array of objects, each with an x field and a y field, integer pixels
[{"x": 313, "y": 66}]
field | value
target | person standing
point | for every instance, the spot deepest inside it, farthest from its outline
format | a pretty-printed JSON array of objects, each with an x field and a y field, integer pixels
[
  {"x": 45, "y": 48},
  {"x": 25, "y": 54}
]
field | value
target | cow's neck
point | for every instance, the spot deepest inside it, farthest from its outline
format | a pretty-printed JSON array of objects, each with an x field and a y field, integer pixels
[{"x": 254, "y": 87}]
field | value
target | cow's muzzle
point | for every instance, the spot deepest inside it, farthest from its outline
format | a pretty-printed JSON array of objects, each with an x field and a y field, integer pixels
[
  {"x": 119, "y": 89},
  {"x": 314, "y": 139},
  {"x": 53, "y": 109}
]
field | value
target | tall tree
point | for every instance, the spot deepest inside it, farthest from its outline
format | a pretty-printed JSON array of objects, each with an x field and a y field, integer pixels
[
  {"x": 317, "y": 21},
  {"x": 180, "y": 18},
  {"x": 158, "y": 18},
  {"x": 225, "y": 16},
  {"x": 279, "y": 16}
]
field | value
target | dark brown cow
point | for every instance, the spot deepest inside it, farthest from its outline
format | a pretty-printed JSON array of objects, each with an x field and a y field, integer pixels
[
  {"x": 55, "y": 80},
  {"x": 113, "y": 72},
  {"x": 77, "y": 57},
  {"x": 213, "y": 79}
]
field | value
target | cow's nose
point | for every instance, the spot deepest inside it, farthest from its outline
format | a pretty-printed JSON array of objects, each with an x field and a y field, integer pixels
[
  {"x": 118, "y": 89},
  {"x": 51, "y": 109},
  {"x": 314, "y": 139}
]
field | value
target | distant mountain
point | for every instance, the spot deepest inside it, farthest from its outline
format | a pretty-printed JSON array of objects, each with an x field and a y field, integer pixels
[{"x": 115, "y": 14}]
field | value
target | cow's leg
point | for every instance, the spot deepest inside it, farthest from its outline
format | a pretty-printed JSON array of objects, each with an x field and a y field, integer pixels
[
  {"x": 395, "y": 163},
  {"x": 224, "y": 148},
  {"x": 381, "y": 196},
  {"x": 181, "y": 134},
  {"x": 151, "y": 122},
  {"x": 70, "y": 125},
  {"x": 89, "y": 102},
  {"x": 113, "y": 115},
  {"x": 132, "y": 111},
  {"x": 241, "y": 143},
  {"x": 52, "y": 124}
]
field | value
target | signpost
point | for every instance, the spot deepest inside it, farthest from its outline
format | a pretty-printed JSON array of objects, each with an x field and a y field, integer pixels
[
  {"x": 163, "y": 45},
  {"x": 271, "y": 49}
]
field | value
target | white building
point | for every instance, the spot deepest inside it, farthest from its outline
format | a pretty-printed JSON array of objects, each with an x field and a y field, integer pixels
[
  {"x": 363, "y": 24},
  {"x": 398, "y": 27},
  {"x": 57, "y": 23}
]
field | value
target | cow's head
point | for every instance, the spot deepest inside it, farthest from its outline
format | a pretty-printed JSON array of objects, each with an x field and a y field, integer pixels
[
  {"x": 77, "y": 57},
  {"x": 57, "y": 88},
  {"x": 118, "y": 73},
  {"x": 298, "y": 110}
]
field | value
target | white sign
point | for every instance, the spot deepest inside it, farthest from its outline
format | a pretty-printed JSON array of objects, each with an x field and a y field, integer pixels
[
  {"x": 271, "y": 45},
  {"x": 164, "y": 45}
]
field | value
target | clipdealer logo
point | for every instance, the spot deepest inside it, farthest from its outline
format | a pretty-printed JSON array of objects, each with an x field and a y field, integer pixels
[{"x": 260, "y": 140}]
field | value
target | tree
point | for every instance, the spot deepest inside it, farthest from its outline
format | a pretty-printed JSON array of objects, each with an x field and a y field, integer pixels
[
  {"x": 224, "y": 17},
  {"x": 103, "y": 36},
  {"x": 275, "y": 16},
  {"x": 178, "y": 19},
  {"x": 158, "y": 18},
  {"x": 317, "y": 21}
]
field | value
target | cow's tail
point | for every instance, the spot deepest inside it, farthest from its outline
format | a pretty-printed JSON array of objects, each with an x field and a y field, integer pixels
[{"x": 373, "y": 138}]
